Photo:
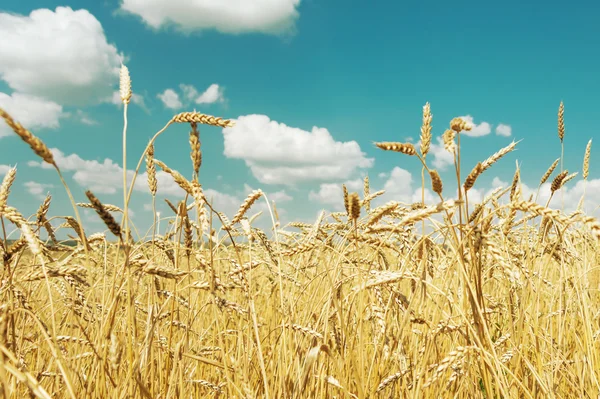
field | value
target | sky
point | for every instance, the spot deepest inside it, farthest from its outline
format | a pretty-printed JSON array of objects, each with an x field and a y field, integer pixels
[{"x": 311, "y": 86}]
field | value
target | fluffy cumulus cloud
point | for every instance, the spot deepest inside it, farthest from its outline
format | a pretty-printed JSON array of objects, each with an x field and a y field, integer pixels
[
  {"x": 31, "y": 111},
  {"x": 477, "y": 130},
  {"x": 332, "y": 194},
  {"x": 84, "y": 118},
  {"x": 61, "y": 56},
  {"x": 173, "y": 100},
  {"x": 503, "y": 130},
  {"x": 4, "y": 169},
  {"x": 280, "y": 154},
  {"x": 170, "y": 99},
  {"x": 213, "y": 94},
  {"x": 231, "y": 16},
  {"x": 401, "y": 186},
  {"x": 105, "y": 177},
  {"x": 441, "y": 158},
  {"x": 39, "y": 190}
]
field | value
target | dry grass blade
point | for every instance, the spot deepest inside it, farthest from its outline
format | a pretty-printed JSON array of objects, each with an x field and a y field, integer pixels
[{"x": 309, "y": 361}]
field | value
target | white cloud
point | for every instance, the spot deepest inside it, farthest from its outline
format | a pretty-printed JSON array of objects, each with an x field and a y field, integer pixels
[
  {"x": 332, "y": 193},
  {"x": 4, "y": 169},
  {"x": 503, "y": 130},
  {"x": 497, "y": 182},
  {"x": 277, "y": 196},
  {"x": 31, "y": 111},
  {"x": 441, "y": 158},
  {"x": 483, "y": 129},
  {"x": 62, "y": 56},
  {"x": 82, "y": 117},
  {"x": 170, "y": 99},
  {"x": 39, "y": 190},
  {"x": 232, "y": 16},
  {"x": 189, "y": 91},
  {"x": 213, "y": 94},
  {"x": 399, "y": 187},
  {"x": 106, "y": 177},
  {"x": 279, "y": 154}
]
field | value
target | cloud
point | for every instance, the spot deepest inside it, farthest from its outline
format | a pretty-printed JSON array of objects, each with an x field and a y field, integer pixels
[
  {"x": 62, "y": 56},
  {"x": 105, "y": 177},
  {"x": 401, "y": 186},
  {"x": 332, "y": 193},
  {"x": 233, "y": 17},
  {"x": 398, "y": 187},
  {"x": 189, "y": 91},
  {"x": 4, "y": 169},
  {"x": 85, "y": 118},
  {"x": 39, "y": 190},
  {"x": 483, "y": 129},
  {"x": 213, "y": 94},
  {"x": 441, "y": 158},
  {"x": 170, "y": 99},
  {"x": 277, "y": 196},
  {"x": 279, "y": 154},
  {"x": 503, "y": 130},
  {"x": 31, "y": 111}
]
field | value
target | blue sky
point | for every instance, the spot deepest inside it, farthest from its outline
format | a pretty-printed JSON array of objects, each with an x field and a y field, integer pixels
[{"x": 311, "y": 85}]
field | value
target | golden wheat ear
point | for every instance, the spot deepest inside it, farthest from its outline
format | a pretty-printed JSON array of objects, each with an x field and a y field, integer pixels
[{"x": 35, "y": 143}]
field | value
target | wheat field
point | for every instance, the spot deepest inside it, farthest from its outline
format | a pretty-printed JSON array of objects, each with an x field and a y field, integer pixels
[{"x": 497, "y": 299}]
